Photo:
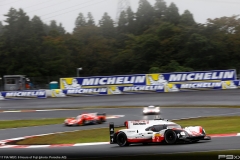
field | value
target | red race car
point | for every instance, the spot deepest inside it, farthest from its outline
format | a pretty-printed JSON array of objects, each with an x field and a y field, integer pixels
[{"x": 85, "y": 119}]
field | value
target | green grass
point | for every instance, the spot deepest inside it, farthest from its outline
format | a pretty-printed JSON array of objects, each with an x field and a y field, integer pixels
[
  {"x": 218, "y": 124},
  {"x": 211, "y": 125},
  {"x": 29, "y": 123}
]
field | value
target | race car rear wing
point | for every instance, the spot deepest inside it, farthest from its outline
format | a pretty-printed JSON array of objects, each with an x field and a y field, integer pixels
[
  {"x": 112, "y": 131},
  {"x": 101, "y": 114}
]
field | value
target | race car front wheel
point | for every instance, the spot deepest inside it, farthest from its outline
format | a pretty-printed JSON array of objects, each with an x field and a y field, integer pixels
[
  {"x": 122, "y": 139},
  {"x": 170, "y": 136}
]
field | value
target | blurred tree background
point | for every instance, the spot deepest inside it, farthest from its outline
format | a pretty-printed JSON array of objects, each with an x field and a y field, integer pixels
[{"x": 154, "y": 39}]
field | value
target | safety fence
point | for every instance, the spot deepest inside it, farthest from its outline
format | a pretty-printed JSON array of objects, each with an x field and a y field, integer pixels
[{"x": 134, "y": 84}]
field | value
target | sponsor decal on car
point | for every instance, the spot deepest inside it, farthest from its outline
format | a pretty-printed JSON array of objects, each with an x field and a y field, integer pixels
[
  {"x": 143, "y": 122},
  {"x": 157, "y": 137}
]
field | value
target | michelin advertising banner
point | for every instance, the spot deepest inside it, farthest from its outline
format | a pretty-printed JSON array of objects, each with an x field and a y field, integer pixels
[
  {"x": 22, "y": 94},
  {"x": 147, "y": 83},
  {"x": 1, "y": 97}
]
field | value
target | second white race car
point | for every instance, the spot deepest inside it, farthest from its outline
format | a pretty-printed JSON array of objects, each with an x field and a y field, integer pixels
[{"x": 151, "y": 110}]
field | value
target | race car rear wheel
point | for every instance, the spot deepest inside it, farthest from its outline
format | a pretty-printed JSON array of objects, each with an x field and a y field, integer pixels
[
  {"x": 83, "y": 123},
  {"x": 100, "y": 121},
  {"x": 170, "y": 136},
  {"x": 122, "y": 139}
]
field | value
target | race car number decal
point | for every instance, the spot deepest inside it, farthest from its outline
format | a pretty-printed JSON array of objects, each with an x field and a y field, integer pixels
[{"x": 156, "y": 137}]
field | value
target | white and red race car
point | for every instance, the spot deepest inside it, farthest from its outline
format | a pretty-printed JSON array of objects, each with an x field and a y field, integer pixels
[
  {"x": 84, "y": 119},
  {"x": 155, "y": 131},
  {"x": 151, "y": 110}
]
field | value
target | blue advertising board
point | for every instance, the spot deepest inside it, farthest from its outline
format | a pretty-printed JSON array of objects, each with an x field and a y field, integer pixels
[
  {"x": 1, "y": 97},
  {"x": 85, "y": 91},
  {"x": 26, "y": 94},
  {"x": 222, "y": 75},
  {"x": 148, "y": 83},
  {"x": 147, "y": 79}
]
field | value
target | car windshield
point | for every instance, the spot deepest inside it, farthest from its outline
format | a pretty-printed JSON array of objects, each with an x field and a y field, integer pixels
[
  {"x": 173, "y": 126},
  {"x": 78, "y": 117},
  {"x": 151, "y": 106}
]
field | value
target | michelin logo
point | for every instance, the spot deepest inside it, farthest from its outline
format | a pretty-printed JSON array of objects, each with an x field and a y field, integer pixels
[
  {"x": 86, "y": 90},
  {"x": 201, "y": 85},
  {"x": 228, "y": 85},
  {"x": 114, "y": 90},
  {"x": 58, "y": 93},
  {"x": 25, "y": 94},
  {"x": 113, "y": 80},
  {"x": 217, "y": 75},
  {"x": 171, "y": 88},
  {"x": 74, "y": 84},
  {"x": 143, "y": 88},
  {"x": 160, "y": 81}
]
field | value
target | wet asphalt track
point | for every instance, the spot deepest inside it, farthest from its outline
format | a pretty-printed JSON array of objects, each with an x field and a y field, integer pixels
[
  {"x": 230, "y": 97},
  {"x": 218, "y": 97},
  {"x": 129, "y": 114},
  {"x": 114, "y": 150}
]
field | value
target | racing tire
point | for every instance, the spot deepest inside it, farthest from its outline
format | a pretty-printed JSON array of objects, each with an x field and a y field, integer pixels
[
  {"x": 83, "y": 123},
  {"x": 170, "y": 136},
  {"x": 122, "y": 139},
  {"x": 100, "y": 121}
]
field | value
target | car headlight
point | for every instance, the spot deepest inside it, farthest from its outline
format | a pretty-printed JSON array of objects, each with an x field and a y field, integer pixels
[
  {"x": 204, "y": 132},
  {"x": 183, "y": 133}
]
